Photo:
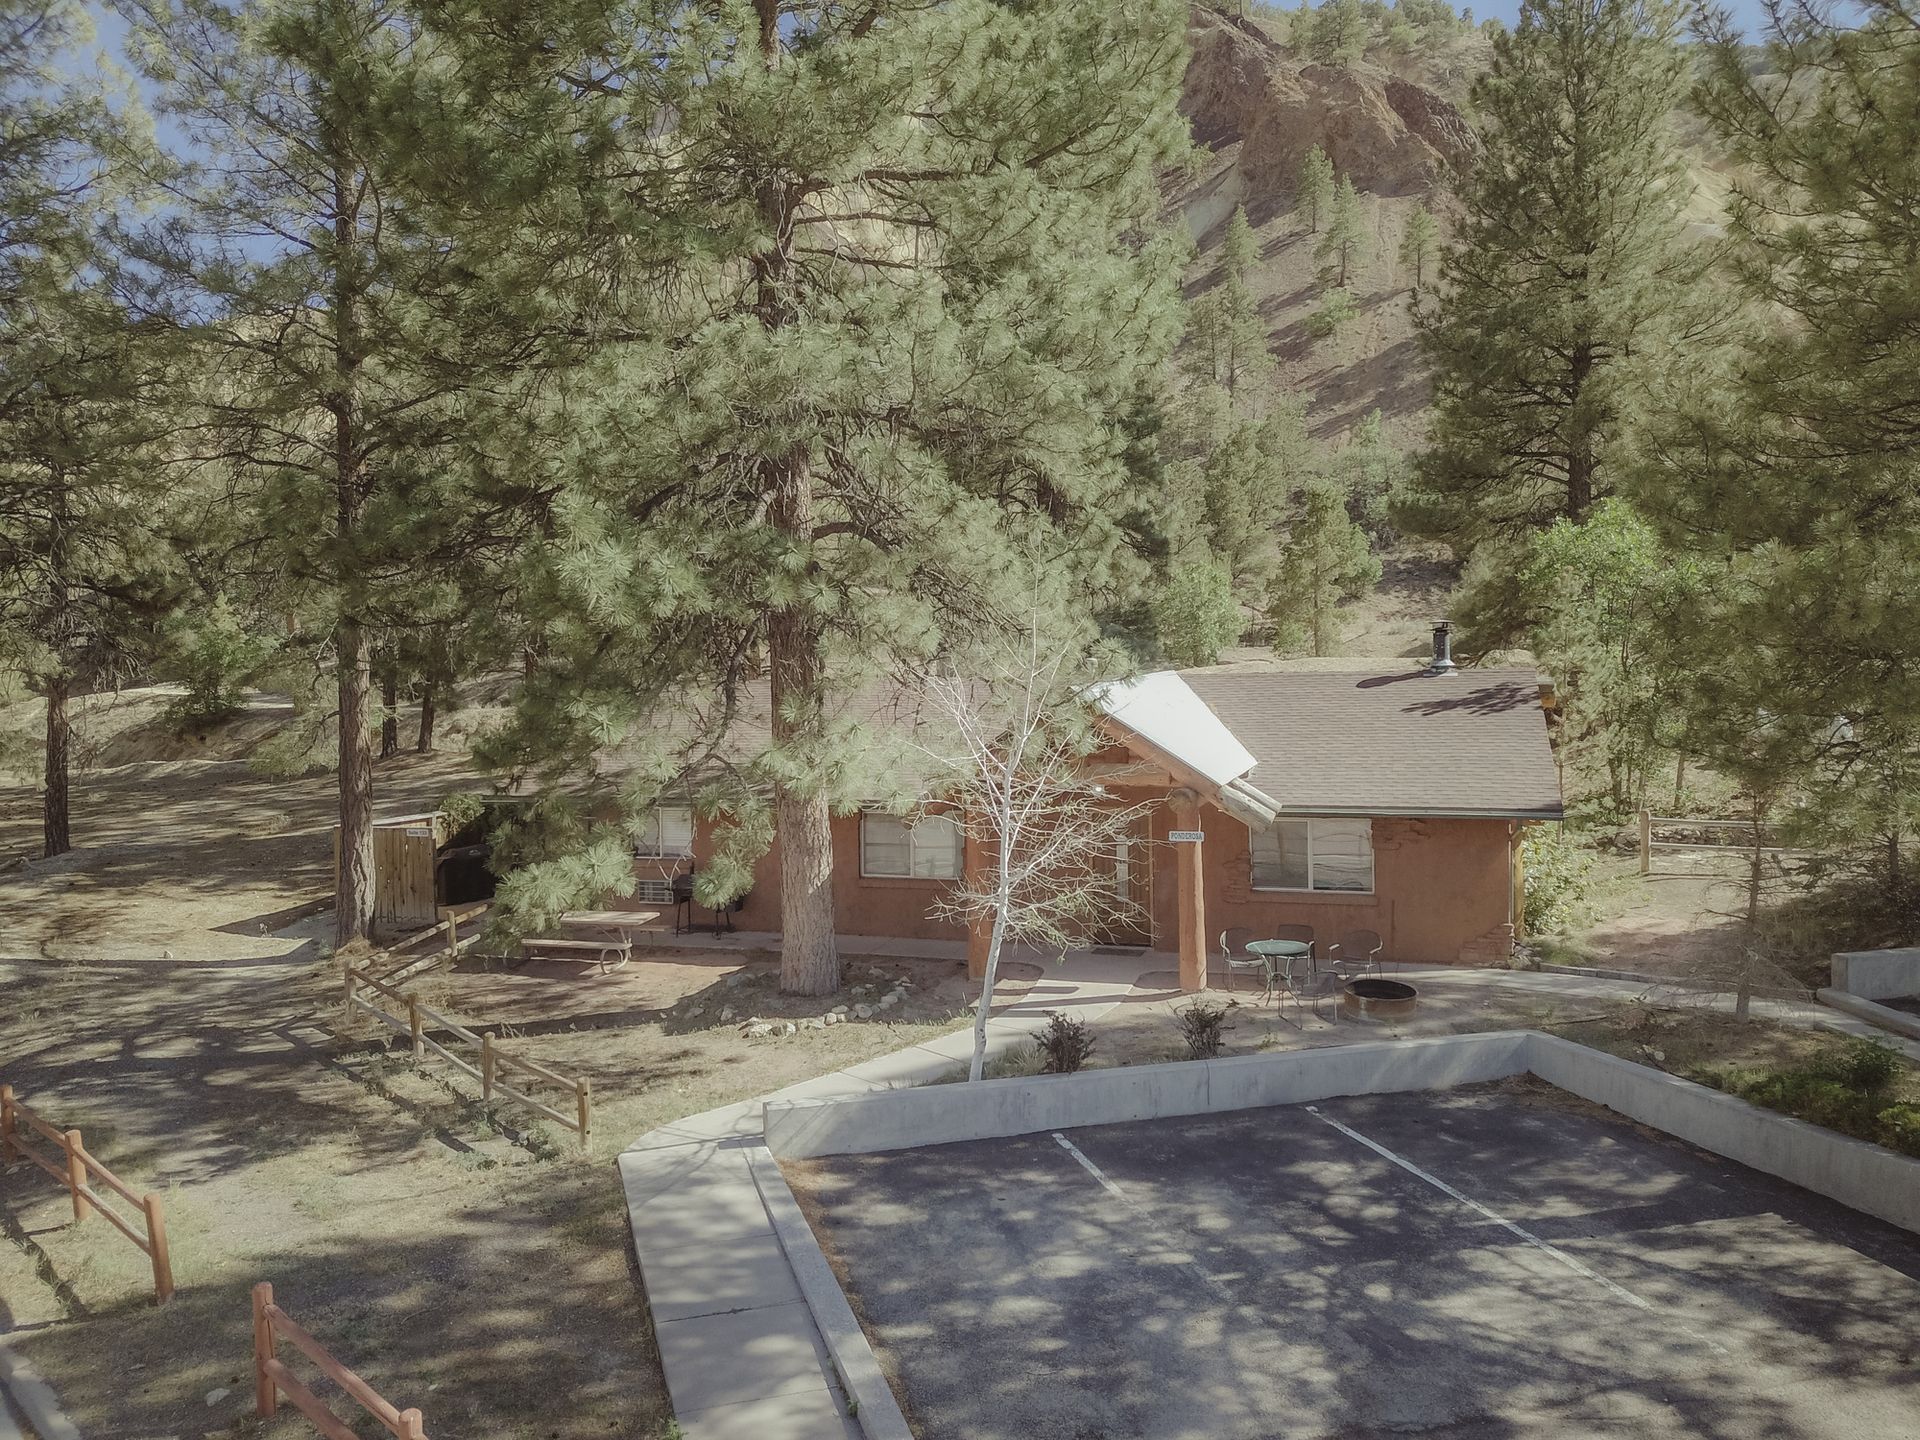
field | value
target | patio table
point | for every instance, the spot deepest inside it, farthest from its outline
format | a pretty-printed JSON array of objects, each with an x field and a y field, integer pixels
[{"x": 1276, "y": 953}]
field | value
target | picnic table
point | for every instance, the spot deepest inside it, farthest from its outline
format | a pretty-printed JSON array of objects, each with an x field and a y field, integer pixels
[{"x": 599, "y": 937}]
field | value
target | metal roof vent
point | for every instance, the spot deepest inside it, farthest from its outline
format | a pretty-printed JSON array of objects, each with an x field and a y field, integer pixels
[{"x": 1442, "y": 662}]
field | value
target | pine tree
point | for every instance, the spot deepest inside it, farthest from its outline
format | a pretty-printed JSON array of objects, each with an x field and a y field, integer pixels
[
  {"x": 1338, "y": 34},
  {"x": 1324, "y": 561},
  {"x": 1562, "y": 292},
  {"x": 880, "y": 307},
  {"x": 1418, "y": 242},
  {"x": 334, "y": 302},
  {"x": 1239, "y": 248},
  {"x": 1792, "y": 471},
  {"x": 1316, "y": 186},
  {"x": 1343, "y": 248},
  {"x": 84, "y": 565}
]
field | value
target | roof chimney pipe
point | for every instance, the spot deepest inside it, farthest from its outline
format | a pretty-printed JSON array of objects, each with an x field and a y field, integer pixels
[{"x": 1442, "y": 662}]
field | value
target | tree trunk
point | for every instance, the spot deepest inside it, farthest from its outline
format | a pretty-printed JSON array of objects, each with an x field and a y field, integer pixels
[
  {"x": 1580, "y": 456},
  {"x": 55, "y": 825},
  {"x": 353, "y": 905},
  {"x": 978, "y": 1069},
  {"x": 809, "y": 961},
  {"x": 389, "y": 710},
  {"x": 424, "y": 741},
  {"x": 354, "y": 895}
]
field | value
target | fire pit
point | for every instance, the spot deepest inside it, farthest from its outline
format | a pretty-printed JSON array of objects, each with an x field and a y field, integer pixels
[{"x": 1375, "y": 999}]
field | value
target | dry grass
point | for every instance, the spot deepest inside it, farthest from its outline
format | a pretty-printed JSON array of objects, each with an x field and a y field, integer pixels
[{"x": 462, "y": 1260}]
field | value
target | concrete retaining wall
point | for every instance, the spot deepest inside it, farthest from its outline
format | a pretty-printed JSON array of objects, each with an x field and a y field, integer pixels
[
  {"x": 942, "y": 1114},
  {"x": 1877, "y": 974},
  {"x": 1865, "y": 1177},
  {"x": 1885, "y": 1016}
]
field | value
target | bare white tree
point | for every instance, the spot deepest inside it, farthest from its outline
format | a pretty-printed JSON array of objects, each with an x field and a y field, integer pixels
[{"x": 1011, "y": 766}]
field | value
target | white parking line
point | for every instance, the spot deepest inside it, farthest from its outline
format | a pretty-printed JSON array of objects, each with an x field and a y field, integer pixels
[
  {"x": 1213, "y": 1282},
  {"x": 1445, "y": 1189}
]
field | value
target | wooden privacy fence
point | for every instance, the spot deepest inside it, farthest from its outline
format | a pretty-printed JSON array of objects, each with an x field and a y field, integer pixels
[
  {"x": 272, "y": 1378},
  {"x": 1651, "y": 823},
  {"x": 491, "y": 1060},
  {"x": 74, "y": 1169}
]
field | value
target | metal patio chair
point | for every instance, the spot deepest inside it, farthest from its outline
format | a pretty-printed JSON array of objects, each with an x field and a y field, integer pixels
[
  {"x": 1301, "y": 933},
  {"x": 1233, "y": 951},
  {"x": 1357, "y": 953}
]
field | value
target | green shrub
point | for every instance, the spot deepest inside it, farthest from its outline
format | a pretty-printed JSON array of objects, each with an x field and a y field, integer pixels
[
  {"x": 1863, "y": 1065},
  {"x": 1559, "y": 882},
  {"x": 1337, "y": 310},
  {"x": 1900, "y": 1128},
  {"x": 215, "y": 655}
]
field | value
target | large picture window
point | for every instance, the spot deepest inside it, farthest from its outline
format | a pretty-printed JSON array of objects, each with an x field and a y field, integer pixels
[
  {"x": 924, "y": 849},
  {"x": 1314, "y": 855}
]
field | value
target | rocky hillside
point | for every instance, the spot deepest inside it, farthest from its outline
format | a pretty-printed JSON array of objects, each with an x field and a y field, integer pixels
[{"x": 1256, "y": 109}]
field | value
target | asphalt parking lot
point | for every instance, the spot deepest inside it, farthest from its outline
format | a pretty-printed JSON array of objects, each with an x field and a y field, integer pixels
[{"x": 1500, "y": 1261}]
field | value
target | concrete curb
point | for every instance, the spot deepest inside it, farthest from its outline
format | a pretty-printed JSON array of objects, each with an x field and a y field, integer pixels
[
  {"x": 1885, "y": 1016},
  {"x": 34, "y": 1398},
  {"x": 860, "y": 1375}
]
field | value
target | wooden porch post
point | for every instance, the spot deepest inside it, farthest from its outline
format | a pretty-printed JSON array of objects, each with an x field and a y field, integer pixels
[{"x": 1192, "y": 925}]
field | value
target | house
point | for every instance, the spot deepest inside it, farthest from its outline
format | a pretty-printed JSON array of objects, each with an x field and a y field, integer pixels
[{"x": 1344, "y": 794}]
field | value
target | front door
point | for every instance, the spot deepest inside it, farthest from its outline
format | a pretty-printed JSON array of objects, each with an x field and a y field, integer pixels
[{"x": 1126, "y": 876}]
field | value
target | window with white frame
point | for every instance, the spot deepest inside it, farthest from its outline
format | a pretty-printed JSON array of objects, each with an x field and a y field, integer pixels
[
  {"x": 668, "y": 831},
  {"x": 1317, "y": 854},
  {"x": 927, "y": 848}
]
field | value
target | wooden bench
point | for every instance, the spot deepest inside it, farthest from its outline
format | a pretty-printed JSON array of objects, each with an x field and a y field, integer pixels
[{"x": 609, "y": 953}]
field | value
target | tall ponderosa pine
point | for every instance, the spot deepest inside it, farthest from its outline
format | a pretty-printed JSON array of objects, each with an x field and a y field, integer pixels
[
  {"x": 1796, "y": 474},
  {"x": 1418, "y": 243},
  {"x": 1343, "y": 248},
  {"x": 1227, "y": 339},
  {"x": 1324, "y": 560},
  {"x": 83, "y": 565},
  {"x": 325, "y": 294},
  {"x": 914, "y": 282},
  {"x": 1316, "y": 186},
  {"x": 1559, "y": 296}
]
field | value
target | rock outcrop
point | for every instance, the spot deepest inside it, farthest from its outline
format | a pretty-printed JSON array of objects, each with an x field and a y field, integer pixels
[{"x": 1260, "y": 110}]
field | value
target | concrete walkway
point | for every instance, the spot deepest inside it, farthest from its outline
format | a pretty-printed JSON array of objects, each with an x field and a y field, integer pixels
[{"x": 743, "y": 1357}]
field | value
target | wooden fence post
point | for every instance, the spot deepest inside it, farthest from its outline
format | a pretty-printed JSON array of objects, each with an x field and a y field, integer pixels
[
  {"x": 583, "y": 1107},
  {"x": 413, "y": 1026},
  {"x": 6, "y": 1125},
  {"x": 486, "y": 1067},
  {"x": 453, "y": 938},
  {"x": 346, "y": 1002},
  {"x": 157, "y": 1248},
  {"x": 266, "y": 1398},
  {"x": 76, "y": 1174},
  {"x": 1646, "y": 842},
  {"x": 411, "y": 1426}
]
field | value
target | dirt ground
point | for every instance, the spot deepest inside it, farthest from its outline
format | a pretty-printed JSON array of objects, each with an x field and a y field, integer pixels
[{"x": 463, "y": 1261}]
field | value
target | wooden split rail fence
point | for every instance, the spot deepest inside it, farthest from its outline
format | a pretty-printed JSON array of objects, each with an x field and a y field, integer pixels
[
  {"x": 272, "y": 1379},
  {"x": 75, "y": 1169},
  {"x": 418, "y": 1023},
  {"x": 1651, "y": 825}
]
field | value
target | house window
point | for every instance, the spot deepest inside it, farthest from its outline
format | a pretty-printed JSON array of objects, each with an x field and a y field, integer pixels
[
  {"x": 1314, "y": 855},
  {"x": 923, "y": 849},
  {"x": 667, "y": 831}
]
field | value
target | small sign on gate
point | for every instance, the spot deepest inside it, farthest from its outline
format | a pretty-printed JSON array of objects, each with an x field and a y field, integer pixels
[{"x": 1186, "y": 837}]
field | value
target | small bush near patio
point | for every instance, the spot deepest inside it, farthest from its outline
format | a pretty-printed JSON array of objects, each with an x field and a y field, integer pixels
[
  {"x": 1559, "y": 883},
  {"x": 1849, "y": 1088},
  {"x": 1204, "y": 1024},
  {"x": 1066, "y": 1044}
]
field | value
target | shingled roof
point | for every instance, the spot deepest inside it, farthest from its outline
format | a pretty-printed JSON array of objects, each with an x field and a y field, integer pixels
[{"x": 1382, "y": 738}]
